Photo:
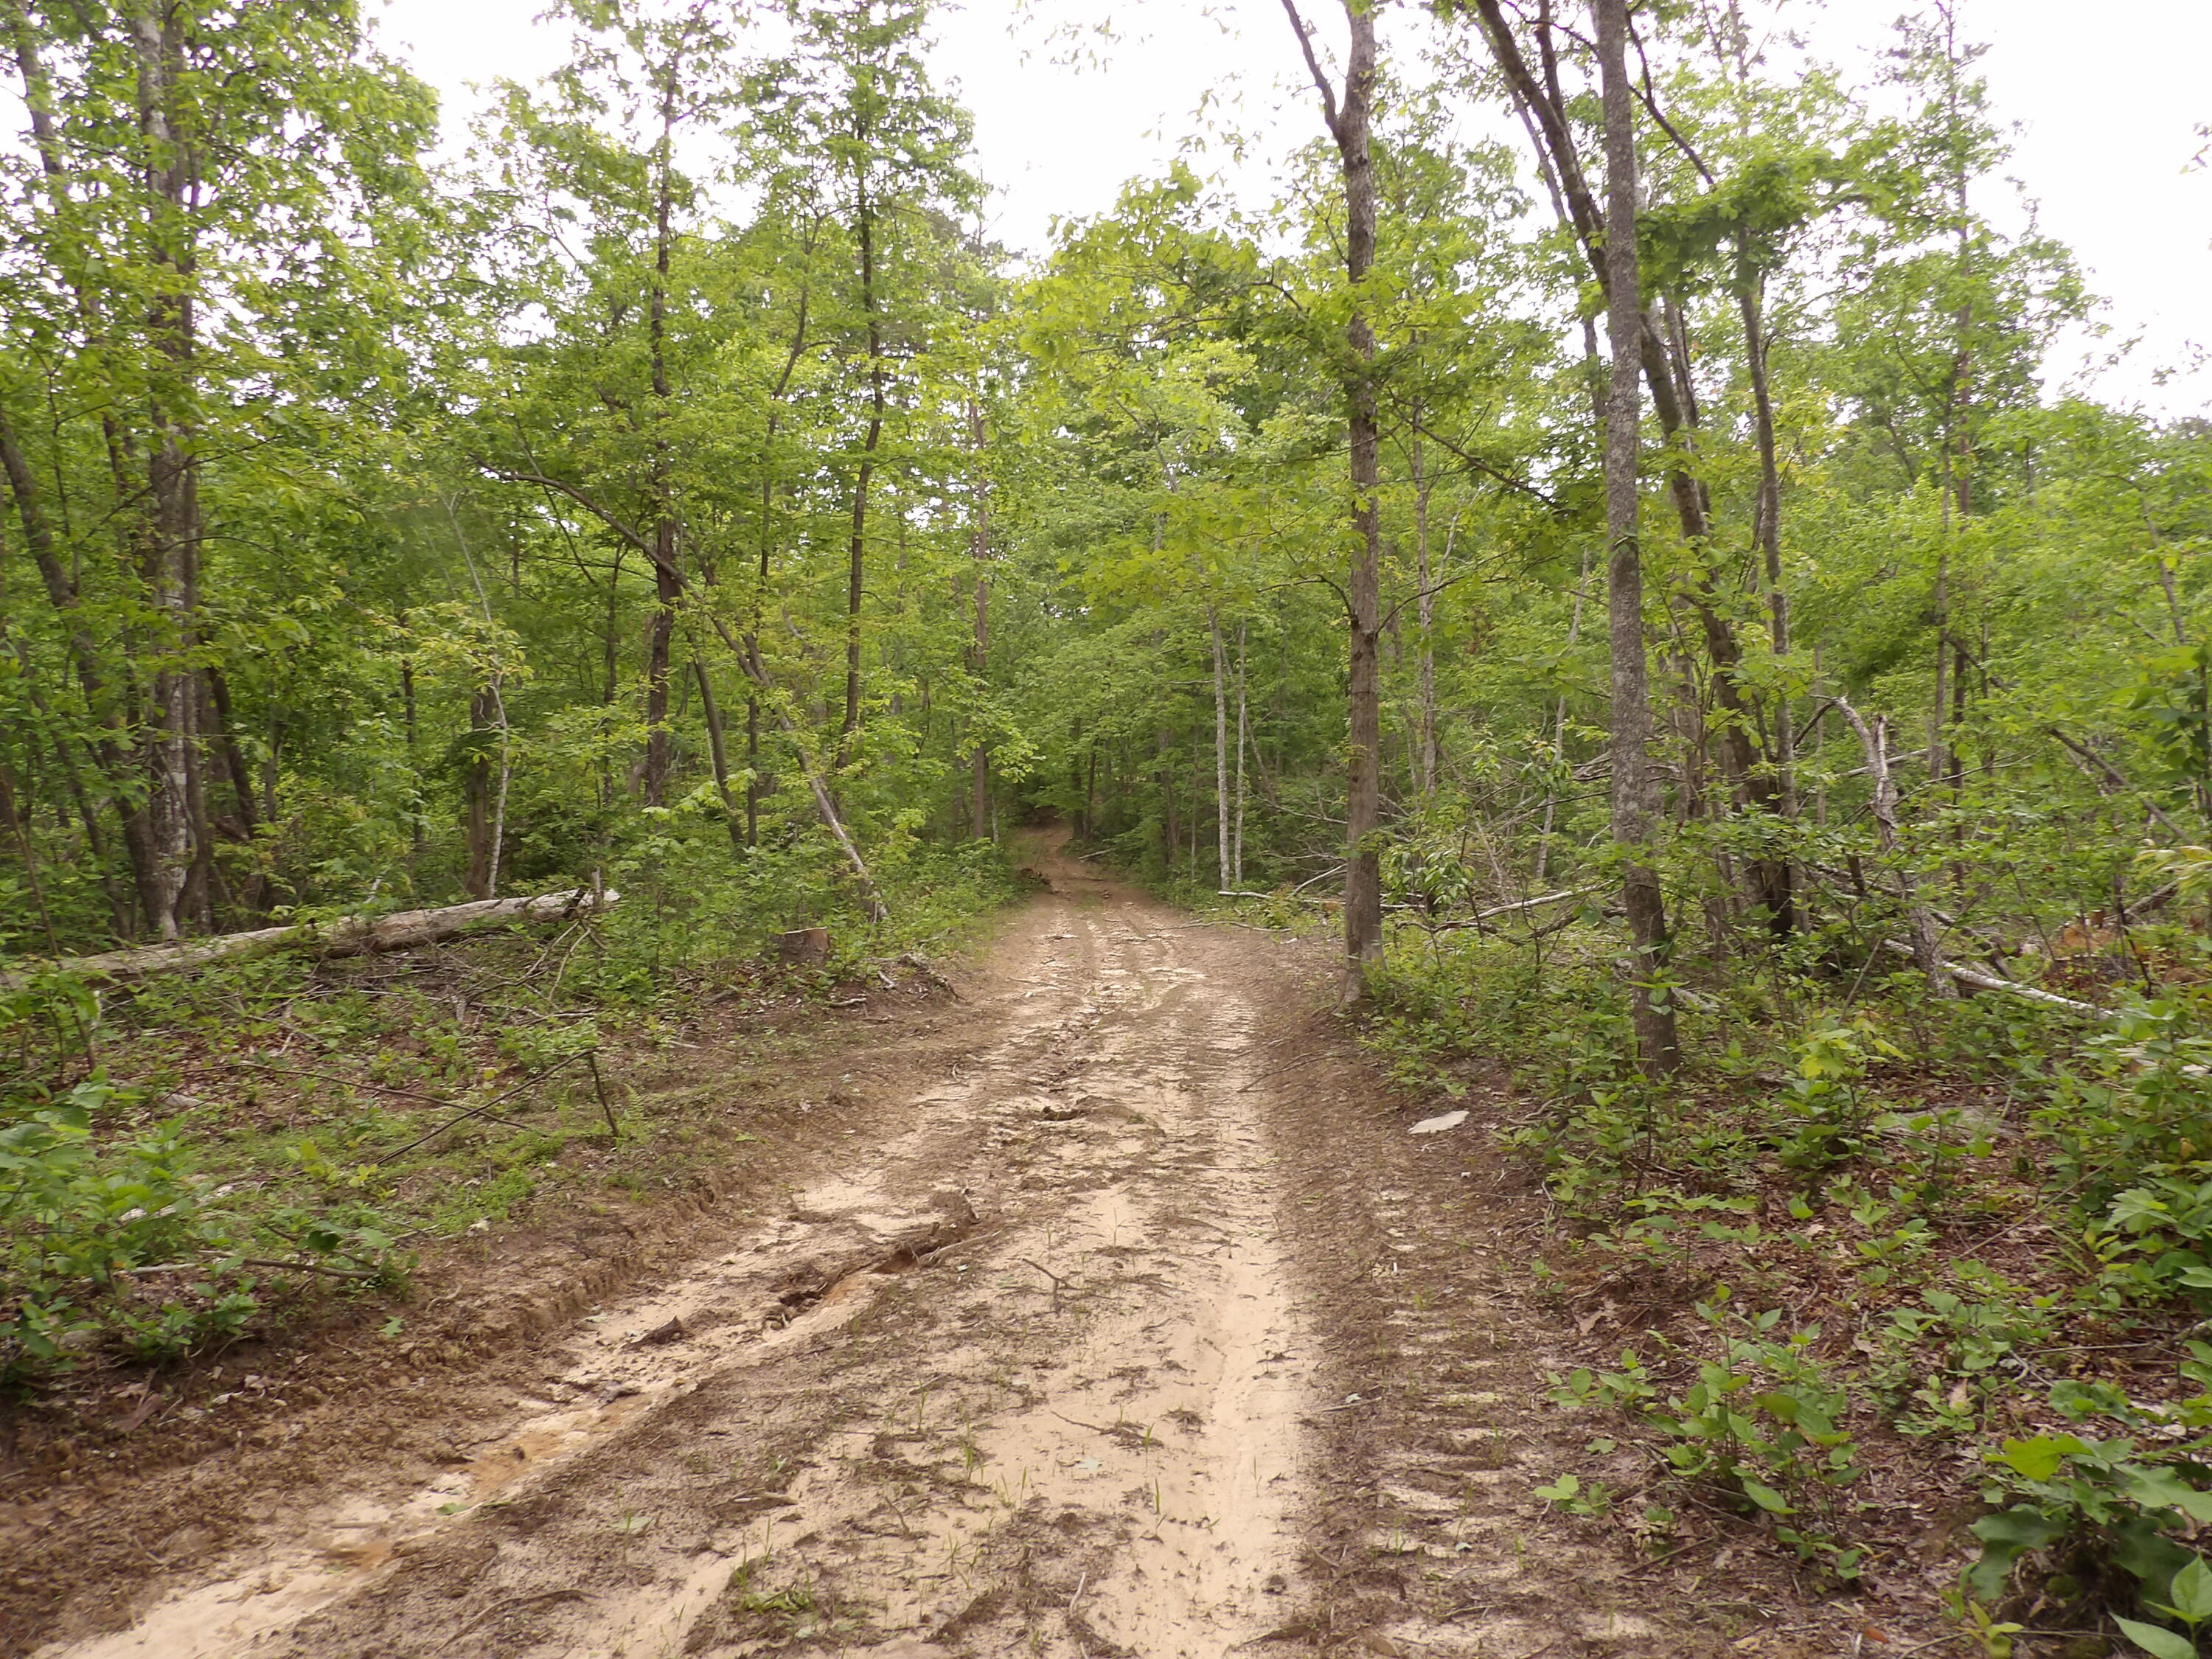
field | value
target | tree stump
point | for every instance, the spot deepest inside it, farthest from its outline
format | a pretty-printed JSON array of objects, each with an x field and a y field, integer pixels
[{"x": 804, "y": 947}]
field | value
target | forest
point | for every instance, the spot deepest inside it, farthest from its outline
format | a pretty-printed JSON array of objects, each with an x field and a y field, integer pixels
[{"x": 1635, "y": 587}]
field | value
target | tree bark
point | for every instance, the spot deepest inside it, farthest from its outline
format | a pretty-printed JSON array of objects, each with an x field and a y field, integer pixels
[
  {"x": 1349, "y": 119},
  {"x": 660, "y": 631},
  {"x": 352, "y": 936},
  {"x": 170, "y": 547},
  {"x": 1783, "y": 912},
  {"x": 477, "y": 797},
  {"x": 856, "y": 571},
  {"x": 1222, "y": 810},
  {"x": 1875, "y": 741},
  {"x": 718, "y": 749},
  {"x": 1426, "y": 759},
  {"x": 1243, "y": 739},
  {"x": 1634, "y": 793},
  {"x": 1663, "y": 357},
  {"x": 978, "y": 549}
]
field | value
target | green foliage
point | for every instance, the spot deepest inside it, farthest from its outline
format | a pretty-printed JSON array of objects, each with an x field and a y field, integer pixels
[
  {"x": 2100, "y": 1505},
  {"x": 2156, "y": 1240},
  {"x": 122, "y": 1243},
  {"x": 1762, "y": 1424}
]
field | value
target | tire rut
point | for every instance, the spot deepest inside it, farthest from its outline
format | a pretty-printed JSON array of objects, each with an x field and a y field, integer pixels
[{"x": 1026, "y": 1378}]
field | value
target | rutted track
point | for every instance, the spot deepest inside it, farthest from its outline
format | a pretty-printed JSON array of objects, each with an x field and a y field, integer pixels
[
  {"x": 1131, "y": 1322},
  {"x": 1026, "y": 1379}
]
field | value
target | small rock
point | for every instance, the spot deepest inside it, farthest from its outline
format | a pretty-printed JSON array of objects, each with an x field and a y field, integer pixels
[{"x": 1431, "y": 1125}]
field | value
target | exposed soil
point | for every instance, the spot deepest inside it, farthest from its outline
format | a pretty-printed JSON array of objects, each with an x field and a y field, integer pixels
[{"x": 1111, "y": 1308}]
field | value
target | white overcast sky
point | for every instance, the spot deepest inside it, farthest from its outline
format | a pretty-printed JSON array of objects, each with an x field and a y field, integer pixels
[{"x": 2106, "y": 100}]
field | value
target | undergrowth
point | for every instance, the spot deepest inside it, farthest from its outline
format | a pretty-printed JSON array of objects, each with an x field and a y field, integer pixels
[
  {"x": 199, "y": 1155},
  {"x": 1870, "y": 1252}
]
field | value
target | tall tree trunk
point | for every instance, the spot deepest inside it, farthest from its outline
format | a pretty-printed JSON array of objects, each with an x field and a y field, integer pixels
[
  {"x": 1634, "y": 793},
  {"x": 1661, "y": 351},
  {"x": 978, "y": 549},
  {"x": 476, "y": 796},
  {"x": 855, "y": 574},
  {"x": 752, "y": 769},
  {"x": 170, "y": 551},
  {"x": 1958, "y": 438},
  {"x": 414, "y": 761},
  {"x": 1170, "y": 825},
  {"x": 718, "y": 749},
  {"x": 666, "y": 582},
  {"x": 1424, "y": 748},
  {"x": 253, "y": 897},
  {"x": 1244, "y": 737},
  {"x": 1222, "y": 810},
  {"x": 109, "y": 748},
  {"x": 1349, "y": 119},
  {"x": 1782, "y": 915},
  {"x": 756, "y": 787}
]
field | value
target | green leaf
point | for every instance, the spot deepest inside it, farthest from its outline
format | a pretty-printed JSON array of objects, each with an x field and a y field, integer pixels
[
  {"x": 2038, "y": 1459},
  {"x": 1766, "y": 1497},
  {"x": 2007, "y": 1536},
  {"x": 1565, "y": 1487},
  {"x": 2162, "y": 1489},
  {"x": 2159, "y": 1643},
  {"x": 2192, "y": 1592},
  {"x": 1783, "y": 1407}
]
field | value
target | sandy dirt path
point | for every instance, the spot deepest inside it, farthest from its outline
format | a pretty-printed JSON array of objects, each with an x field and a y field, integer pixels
[
  {"x": 1117, "y": 1312},
  {"x": 1027, "y": 1377}
]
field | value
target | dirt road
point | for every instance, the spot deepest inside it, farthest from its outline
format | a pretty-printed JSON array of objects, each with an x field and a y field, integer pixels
[{"x": 1135, "y": 1324}]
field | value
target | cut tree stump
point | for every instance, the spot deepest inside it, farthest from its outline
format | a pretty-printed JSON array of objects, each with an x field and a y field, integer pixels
[{"x": 804, "y": 947}]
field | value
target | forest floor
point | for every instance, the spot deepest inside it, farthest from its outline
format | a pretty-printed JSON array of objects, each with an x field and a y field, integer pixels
[{"x": 1103, "y": 1305}]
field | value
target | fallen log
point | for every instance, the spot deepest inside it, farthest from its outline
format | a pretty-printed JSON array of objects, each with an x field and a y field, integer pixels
[
  {"x": 1982, "y": 981},
  {"x": 350, "y": 936}
]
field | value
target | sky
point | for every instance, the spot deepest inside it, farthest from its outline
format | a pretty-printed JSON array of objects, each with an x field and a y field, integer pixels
[{"x": 2105, "y": 103}]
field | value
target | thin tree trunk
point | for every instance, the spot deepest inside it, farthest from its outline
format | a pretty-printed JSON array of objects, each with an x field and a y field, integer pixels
[
  {"x": 856, "y": 571},
  {"x": 1348, "y": 122},
  {"x": 171, "y": 541},
  {"x": 718, "y": 748},
  {"x": 1781, "y": 917},
  {"x": 1224, "y": 828},
  {"x": 1634, "y": 792},
  {"x": 1243, "y": 739},
  {"x": 485, "y": 840},
  {"x": 414, "y": 761},
  {"x": 756, "y": 788},
  {"x": 109, "y": 749},
  {"x": 978, "y": 549},
  {"x": 1424, "y": 756},
  {"x": 477, "y": 798},
  {"x": 1662, "y": 353},
  {"x": 13, "y": 821},
  {"x": 666, "y": 584},
  {"x": 1560, "y": 727},
  {"x": 1875, "y": 741},
  {"x": 1170, "y": 825}
]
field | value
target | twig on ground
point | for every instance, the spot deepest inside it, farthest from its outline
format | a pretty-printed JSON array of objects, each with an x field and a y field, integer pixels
[
  {"x": 498, "y": 1609},
  {"x": 478, "y": 1111},
  {"x": 607, "y": 1107},
  {"x": 1057, "y": 1281}
]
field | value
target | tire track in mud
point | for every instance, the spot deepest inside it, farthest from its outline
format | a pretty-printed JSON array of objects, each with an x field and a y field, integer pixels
[{"x": 1026, "y": 1379}]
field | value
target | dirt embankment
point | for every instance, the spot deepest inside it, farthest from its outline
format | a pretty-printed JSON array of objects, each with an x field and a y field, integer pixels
[{"x": 1118, "y": 1314}]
